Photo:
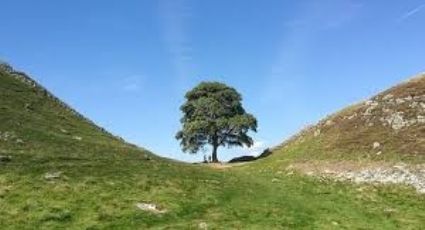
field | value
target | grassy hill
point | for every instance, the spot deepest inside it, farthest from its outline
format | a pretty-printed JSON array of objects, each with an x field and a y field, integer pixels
[
  {"x": 58, "y": 170},
  {"x": 389, "y": 126}
]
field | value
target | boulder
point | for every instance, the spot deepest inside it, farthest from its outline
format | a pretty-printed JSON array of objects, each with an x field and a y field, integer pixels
[
  {"x": 150, "y": 207},
  {"x": 376, "y": 145},
  {"x": 52, "y": 175},
  {"x": 203, "y": 225}
]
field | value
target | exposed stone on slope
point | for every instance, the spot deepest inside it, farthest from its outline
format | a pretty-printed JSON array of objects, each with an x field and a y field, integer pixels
[
  {"x": 376, "y": 145},
  {"x": 10, "y": 136},
  {"x": 395, "y": 111},
  {"x": 77, "y": 138},
  {"x": 398, "y": 174},
  {"x": 150, "y": 207},
  {"x": 52, "y": 175},
  {"x": 203, "y": 226},
  {"x": 392, "y": 112},
  {"x": 394, "y": 118},
  {"x": 7, "y": 136},
  {"x": 382, "y": 173}
]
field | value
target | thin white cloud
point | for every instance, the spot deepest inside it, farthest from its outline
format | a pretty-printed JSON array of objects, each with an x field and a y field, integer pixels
[
  {"x": 326, "y": 14},
  {"x": 312, "y": 19},
  {"x": 132, "y": 84},
  {"x": 174, "y": 15},
  {"x": 411, "y": 13},
  {"x": 132, "y": 87}
]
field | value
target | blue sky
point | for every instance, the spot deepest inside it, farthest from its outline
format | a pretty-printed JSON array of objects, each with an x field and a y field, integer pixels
[{"x": 127, "y": 64}]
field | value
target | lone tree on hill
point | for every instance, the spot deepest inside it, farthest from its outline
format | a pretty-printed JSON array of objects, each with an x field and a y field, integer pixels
[{"x": 213, "y": 115}]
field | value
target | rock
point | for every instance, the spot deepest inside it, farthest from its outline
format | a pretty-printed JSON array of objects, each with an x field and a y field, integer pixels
[
  {"x": 64, "y": 131},
  {"x": 386, "y": 110},
  {"x": 77, "y": 138},
  {"x": 352, "y": 116},
  {"x": 7, "y": 136},
  {"x": 396, "y": 121},
  {"x": 421, "y": 119},
  {"x": 150, "y": 207},
  {"x": 397, "y": 174},
  {"x": 379, "y": 153},
  {"x": 399, "y": 101},
  {"x": 275, "y": 180},
  {"x": 329, "y": 123},
  {"x": 376, "y": 145},
  {"x": 52, "y": 176},
  {"x": 327, "y": 171},
  {"x": 203, "y": 226},
  {"x": 19, "y": 141},
  {"x": 5, "y": 158},
  {"x": 387, "y": 97},
  {"x": 316, "y": 132},
  {"x": 370, "y": 102},
  {"x": 372, "y": 105},
  {"x": 413, "y": 104},
  {"x": 28, "y": 107},
  {"x": 390, "y": 210}
]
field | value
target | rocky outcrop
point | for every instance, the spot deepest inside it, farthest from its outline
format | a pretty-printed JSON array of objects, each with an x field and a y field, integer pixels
[
  {"x": 398, "y": 174},
  {"x": 388, "y": 111},
  {"x": 378, "y": 172}
]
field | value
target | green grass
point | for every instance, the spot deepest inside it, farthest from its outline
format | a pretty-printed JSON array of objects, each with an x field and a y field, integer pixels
[
  {"x": 103, "y": 178},
  {"x": 99, "y": 193}
]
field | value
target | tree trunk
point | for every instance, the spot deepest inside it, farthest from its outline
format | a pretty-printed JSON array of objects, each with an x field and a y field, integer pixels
[{"x": 214, "y": 154}]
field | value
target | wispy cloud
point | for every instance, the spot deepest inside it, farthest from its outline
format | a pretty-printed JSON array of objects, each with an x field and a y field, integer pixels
[
  {"x": 412, "y": 12},
  {"x": 132, "y": 84},
  {"x": 300, "y": 32},
  {"x": 174, "y": 15},
  {"x": 325, "y": 14}
]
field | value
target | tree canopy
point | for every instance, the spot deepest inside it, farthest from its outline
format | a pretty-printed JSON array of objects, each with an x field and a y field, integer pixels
[{"x": 213, "y": 115}]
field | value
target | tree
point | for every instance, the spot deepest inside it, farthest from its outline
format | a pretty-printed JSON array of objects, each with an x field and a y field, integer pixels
[{"x": 213, "y": 115}]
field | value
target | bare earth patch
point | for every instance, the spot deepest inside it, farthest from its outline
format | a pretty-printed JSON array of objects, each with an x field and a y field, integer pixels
[
  {"x": 224, "y": 165},
  {"x": 371, "y": 172}
]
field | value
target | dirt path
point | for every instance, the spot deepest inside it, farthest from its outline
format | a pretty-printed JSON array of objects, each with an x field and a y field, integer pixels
[{"x": 224, "y": 165}]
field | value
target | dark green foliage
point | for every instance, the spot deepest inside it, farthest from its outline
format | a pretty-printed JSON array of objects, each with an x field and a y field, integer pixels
[{"x": 213, "y": 115}]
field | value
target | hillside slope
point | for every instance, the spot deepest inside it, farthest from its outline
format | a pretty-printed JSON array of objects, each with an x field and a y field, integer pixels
[
  {"x": 60, "y": 171},
  {"x": 32, "y": 118},
  {"x": 389, "y": 126}
]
